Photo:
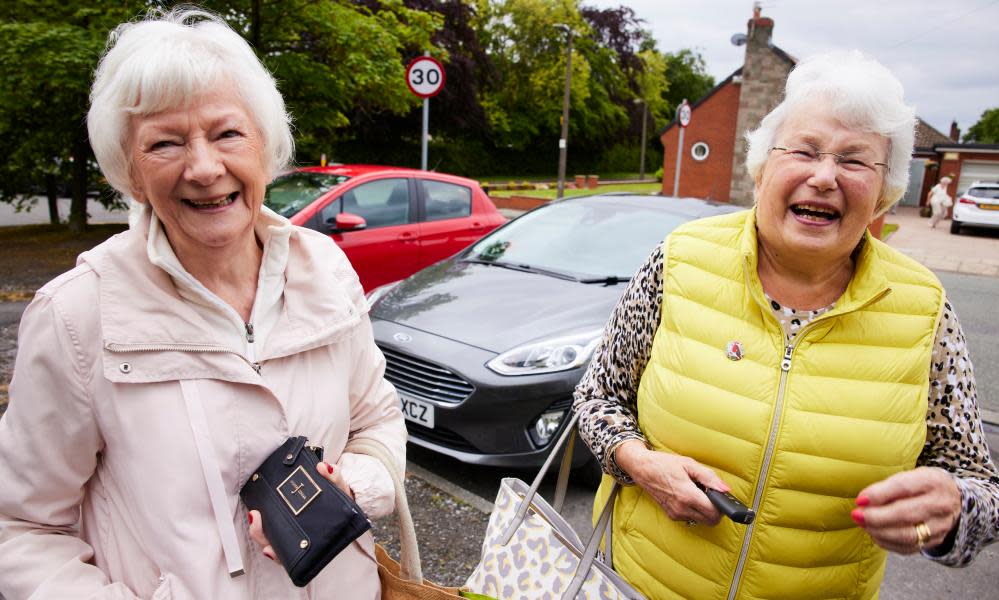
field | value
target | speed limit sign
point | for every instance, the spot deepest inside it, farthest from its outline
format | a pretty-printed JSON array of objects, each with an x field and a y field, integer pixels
[
  {"x": 425, "y": 76},
  {"x": 684, "y": 114}
]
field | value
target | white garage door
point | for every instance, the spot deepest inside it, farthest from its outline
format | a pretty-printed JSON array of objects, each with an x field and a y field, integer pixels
[{"x": 977, "y": 170}]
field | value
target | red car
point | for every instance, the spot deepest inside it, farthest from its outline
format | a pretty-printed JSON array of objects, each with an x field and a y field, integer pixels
[{"x": 390, "y": 222}]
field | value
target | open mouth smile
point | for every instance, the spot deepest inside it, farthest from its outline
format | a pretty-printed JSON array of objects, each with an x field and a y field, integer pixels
[
  {"x": 210, "y": 203},
  {"x": 814, "y": 213}
]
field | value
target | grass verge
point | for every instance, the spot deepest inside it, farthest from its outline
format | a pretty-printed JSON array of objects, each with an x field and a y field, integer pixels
[{"x": 34, "y": 254}]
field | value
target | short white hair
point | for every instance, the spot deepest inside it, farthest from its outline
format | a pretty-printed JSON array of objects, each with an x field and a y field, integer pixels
[
  {"x": 165, "y": 60},
  {"x": 860, "y": 93}
]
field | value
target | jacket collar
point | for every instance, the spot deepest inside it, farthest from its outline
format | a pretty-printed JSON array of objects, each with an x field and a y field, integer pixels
[
  {"x": 141, "y": 310},
  {"x": 868, "y": 283}
]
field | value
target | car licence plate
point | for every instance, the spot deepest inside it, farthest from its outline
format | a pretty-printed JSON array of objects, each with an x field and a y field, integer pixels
[
  {"x": 989, "y": 206},
  {"x": 417, "y": 411}
]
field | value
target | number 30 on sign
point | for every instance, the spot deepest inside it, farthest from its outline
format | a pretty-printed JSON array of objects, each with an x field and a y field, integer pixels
[{"x": 425, "y": 76}]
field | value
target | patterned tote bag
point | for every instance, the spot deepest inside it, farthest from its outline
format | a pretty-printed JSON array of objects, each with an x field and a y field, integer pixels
[{"x": 531, "y": 553}]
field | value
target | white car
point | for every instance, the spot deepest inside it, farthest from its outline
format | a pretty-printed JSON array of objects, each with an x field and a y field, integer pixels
[{"x": 977, "y": 207}]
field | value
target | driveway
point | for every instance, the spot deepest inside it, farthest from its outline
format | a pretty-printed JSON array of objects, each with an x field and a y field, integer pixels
[{"x": 973, "y": 252}]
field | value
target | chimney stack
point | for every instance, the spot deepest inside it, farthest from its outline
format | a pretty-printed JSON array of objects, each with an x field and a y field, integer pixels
[
  {"x": 764, "y": 72},
  {"x": 760, "y": 28},
  {"x": 955, "y": 133}
]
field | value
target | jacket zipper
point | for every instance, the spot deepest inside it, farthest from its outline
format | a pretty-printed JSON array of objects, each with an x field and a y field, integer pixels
[{"x": 113, "y": 347}]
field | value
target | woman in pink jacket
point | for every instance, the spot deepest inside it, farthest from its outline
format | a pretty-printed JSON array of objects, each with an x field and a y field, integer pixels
[{"x": 153, "y": 378}]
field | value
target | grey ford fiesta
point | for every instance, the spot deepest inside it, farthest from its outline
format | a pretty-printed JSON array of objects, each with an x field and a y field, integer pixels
[{"x": 486, "y": 347}]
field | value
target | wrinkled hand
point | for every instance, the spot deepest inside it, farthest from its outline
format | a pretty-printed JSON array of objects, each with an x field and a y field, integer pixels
[
  {"x": 889, "y": 510},
  {"x": 669, "y": 479},
  {"x": 331, "y": 473}
]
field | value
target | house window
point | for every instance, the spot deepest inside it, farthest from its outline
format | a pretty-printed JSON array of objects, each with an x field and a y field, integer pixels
[{"x": 700, "y": 151}]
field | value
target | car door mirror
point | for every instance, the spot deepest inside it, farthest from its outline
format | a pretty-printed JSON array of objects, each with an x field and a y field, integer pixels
[{"x": 346, "y": 222}]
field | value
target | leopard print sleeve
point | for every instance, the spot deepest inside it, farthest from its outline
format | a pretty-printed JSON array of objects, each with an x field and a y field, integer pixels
[
  {"x": 955, "y": 442},
  {"x": 606, "y": 398}
]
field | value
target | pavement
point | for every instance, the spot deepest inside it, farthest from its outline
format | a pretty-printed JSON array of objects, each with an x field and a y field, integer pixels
[
  {"x": 38, "y": 213},
  {"x": 973, "y": 252}
]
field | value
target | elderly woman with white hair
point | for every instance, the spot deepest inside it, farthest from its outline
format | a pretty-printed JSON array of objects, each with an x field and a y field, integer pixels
[
  {"x": 785, "y": 356},
  {"x": 153, "y": 378}
]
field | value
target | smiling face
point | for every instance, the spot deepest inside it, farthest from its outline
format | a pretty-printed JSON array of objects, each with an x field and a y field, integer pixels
[
  {"x": 815, "y": 211},
  {"x": 202, "y": 169}
]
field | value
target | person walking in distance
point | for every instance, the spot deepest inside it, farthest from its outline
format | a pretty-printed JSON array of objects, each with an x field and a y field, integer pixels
[{"x": 940, "y": 200}]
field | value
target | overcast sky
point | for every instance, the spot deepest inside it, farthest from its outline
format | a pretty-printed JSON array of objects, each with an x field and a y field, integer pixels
[{"x": 945, "y": 52}]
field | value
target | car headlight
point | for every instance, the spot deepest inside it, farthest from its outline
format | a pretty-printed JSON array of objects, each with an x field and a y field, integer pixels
[
  {"x": 375, "y": 294},
  {"x": 547, "y": 356}
]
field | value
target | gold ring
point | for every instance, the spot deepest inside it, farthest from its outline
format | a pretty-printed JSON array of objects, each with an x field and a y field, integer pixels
[{"x": 922, "y": 534}]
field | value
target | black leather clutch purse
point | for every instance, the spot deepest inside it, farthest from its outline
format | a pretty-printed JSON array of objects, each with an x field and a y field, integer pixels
[{"x": 307, "y": 519}]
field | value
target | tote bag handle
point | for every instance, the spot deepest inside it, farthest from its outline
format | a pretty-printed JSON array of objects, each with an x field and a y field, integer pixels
[{"x": 409, "y": 553}]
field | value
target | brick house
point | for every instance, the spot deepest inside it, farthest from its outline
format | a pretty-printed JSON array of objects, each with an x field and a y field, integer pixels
[
  {"x": 714, "y": 147},
  {"x": 713, "y": 165}
]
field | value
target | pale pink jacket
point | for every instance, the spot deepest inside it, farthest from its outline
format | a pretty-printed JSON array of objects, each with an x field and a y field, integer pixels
[{"x": 103, "y": 491}]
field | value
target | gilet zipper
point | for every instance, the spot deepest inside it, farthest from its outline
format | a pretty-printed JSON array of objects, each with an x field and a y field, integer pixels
[{"x": 785, "y": 368}]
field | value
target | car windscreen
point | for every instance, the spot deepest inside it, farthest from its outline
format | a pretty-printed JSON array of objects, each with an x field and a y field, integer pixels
[
  {"x": 290, "y": 193},
  {"x": 984, "y": 192},
  {"x": 580, "y": 238}
]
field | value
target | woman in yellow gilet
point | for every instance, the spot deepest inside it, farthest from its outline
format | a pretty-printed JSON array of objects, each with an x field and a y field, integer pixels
[{"x": 784, "y": 355}]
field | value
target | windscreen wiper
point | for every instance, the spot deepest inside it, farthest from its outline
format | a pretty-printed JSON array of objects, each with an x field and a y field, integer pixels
[
  {"x": 608, "y": 280},
  {"x": 525, "y": 268}
]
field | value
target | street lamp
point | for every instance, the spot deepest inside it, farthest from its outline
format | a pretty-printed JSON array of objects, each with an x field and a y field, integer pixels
[
  {"x": 645, "y": 113},
  {"x": 563, "y": 142}
]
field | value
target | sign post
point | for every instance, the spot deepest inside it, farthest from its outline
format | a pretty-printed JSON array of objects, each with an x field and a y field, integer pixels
[
  {"x": 683, "y": 117},
  {"x": 425, "y": 78}
]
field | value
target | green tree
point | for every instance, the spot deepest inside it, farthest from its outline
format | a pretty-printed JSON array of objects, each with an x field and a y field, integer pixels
[
  {"x": 332, "y": 58},
  {"x": 329, "y": 57},
  {"x": 688, "y": 78},
  {"x": 48, "y": 51},
  {"x": 986, "y": 130}
]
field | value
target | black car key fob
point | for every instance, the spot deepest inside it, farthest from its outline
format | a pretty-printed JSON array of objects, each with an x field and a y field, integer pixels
[{"x": 729, "y": 505}]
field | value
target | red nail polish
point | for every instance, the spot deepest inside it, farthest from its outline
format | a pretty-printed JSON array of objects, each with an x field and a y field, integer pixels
[
  {"x": 329, "y": 467},
  {"x": 858, "y": 516},
  {"x": 249, "y": 517},
  {"x": 863, "y": 500}
]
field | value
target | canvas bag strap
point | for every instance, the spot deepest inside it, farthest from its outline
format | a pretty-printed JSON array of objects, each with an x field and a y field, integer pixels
[
  {"x": 592, "y": 546},
  {"x": 409, "y": 553}
]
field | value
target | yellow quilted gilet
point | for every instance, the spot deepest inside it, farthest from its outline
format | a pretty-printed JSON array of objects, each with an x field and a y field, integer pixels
[{"x": 797, "y": 432}]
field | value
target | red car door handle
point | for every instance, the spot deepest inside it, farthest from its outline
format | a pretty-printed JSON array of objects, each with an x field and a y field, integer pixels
[{"x": 406, "y": 236}]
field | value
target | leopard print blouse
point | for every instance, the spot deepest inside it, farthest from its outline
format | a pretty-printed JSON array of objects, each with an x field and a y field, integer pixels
[{"x": 606, "y": 400}]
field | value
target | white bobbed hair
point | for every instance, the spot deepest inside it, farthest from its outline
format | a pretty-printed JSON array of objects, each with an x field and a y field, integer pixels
[
  {"x": 860, "y": 93},
  {"x": 164, "y": 61}
]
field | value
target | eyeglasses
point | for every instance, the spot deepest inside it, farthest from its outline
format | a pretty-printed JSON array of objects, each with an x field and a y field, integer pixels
[{"x": 850, "y": 163}]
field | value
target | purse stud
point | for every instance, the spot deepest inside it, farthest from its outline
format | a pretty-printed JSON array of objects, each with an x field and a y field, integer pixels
[{"x": 303, "y": 544}]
